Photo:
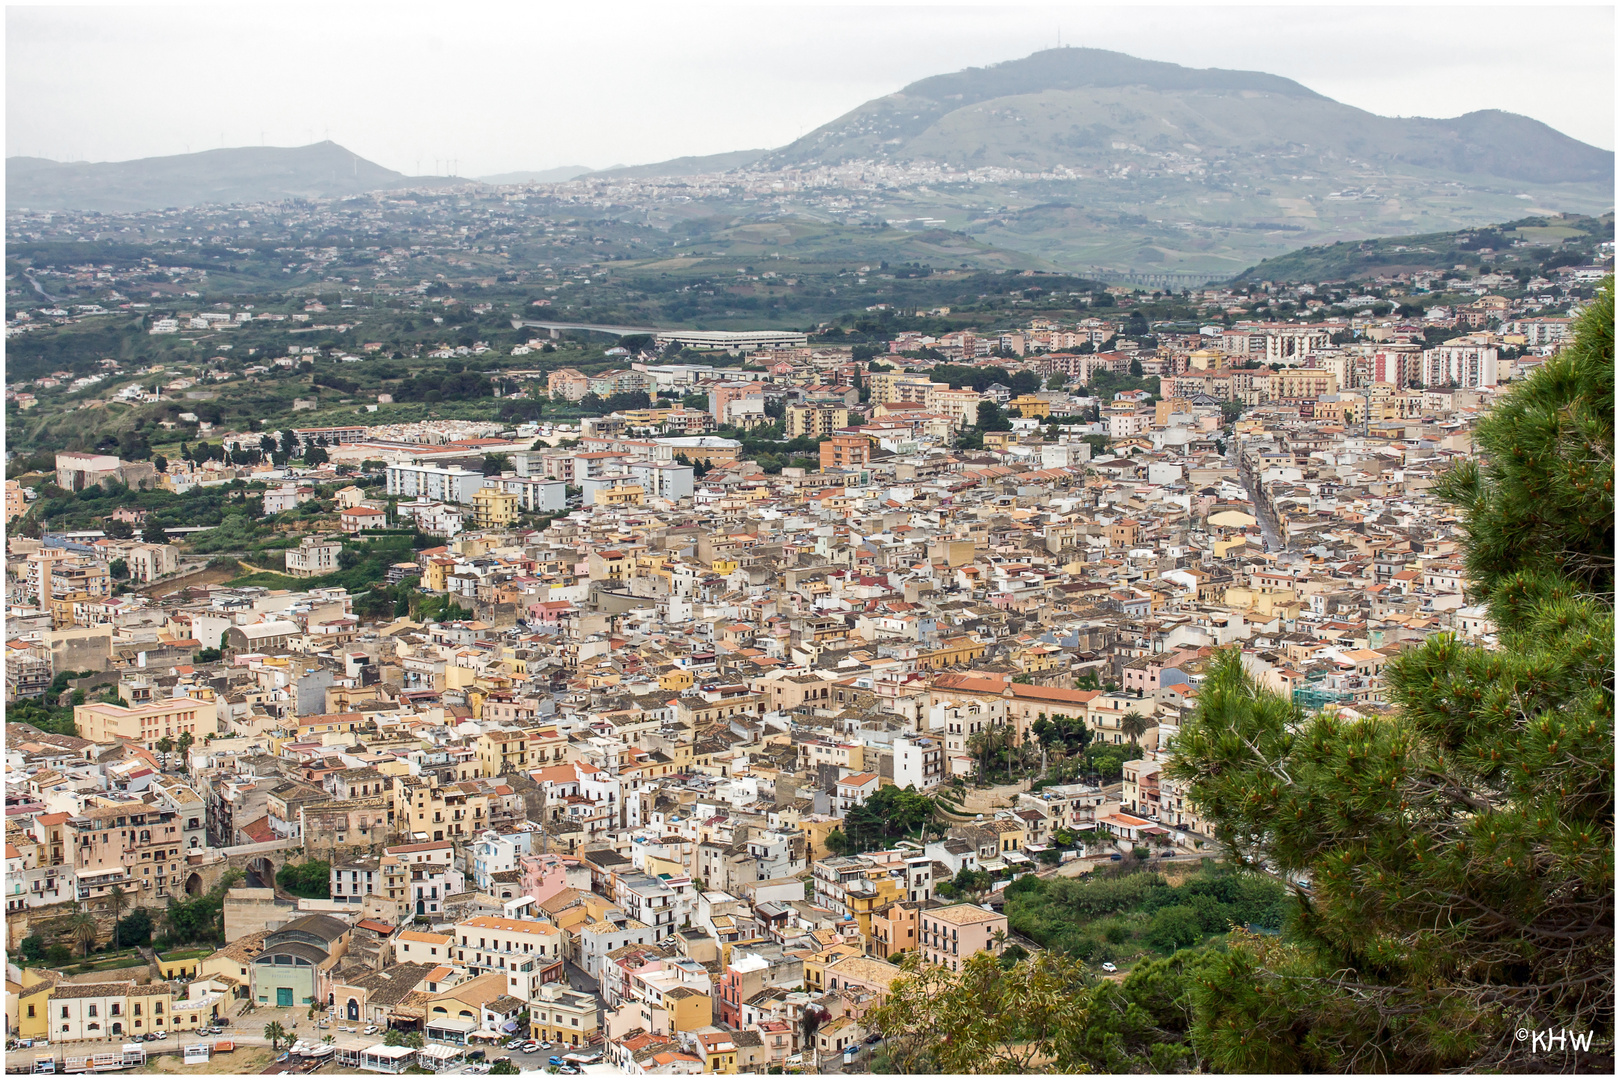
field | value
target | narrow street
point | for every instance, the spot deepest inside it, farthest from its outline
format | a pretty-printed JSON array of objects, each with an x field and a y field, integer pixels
[{"x": 1268, "y": 530}]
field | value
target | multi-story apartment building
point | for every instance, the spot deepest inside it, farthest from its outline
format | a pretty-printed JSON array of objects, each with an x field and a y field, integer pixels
[
  {"x": 527, "y": 951},
  {"x": 426, "y": 810},
  {"x": 100, "y": 721},
  {"x": 441, "y": 483},
  {"x": 567, "y": 383},
  {"x": 1460, "y": 363},
  {"x": 312, "y": 557},
  {"x": 815, "y": 421},
  {"x": 846, "y": 452},
  {"x": 950, "y": 935}
]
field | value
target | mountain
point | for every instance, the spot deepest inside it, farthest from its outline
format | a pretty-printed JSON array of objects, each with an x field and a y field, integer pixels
[
  {"x": 545, "y": 176},
  {"x": 684, "y": 166},
  {"x": 244, "y": 174},
  {"x": 1077, "y": 106},
  {"x": 1528, "y": 246}
]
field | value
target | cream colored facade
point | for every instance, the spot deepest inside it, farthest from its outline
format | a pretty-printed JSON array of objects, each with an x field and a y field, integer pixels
[{"x": 146, "y": 724}]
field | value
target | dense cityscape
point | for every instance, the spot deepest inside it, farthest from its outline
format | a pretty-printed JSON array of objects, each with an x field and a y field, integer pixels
[{"x": 556, "y": 628}]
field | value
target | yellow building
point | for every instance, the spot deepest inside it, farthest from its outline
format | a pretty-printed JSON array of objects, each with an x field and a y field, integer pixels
[
  {"x": 502, "y": 752},
  {"x": 953, "y": 651},
  {"x": 318, "y": 724},
  {"x": 181, "y": 965},
  {"x": 676, "y": 679},
  {"x": 719, "y": 1052},
  {"x": 622, "y": 495},
  {"x": 170, "y": 718},
  {"x": 1265, "y": 603},
  {"x": 1030, "y": 405},
  {"x": 688, "y": 1009},
  {"x": 493, "y": 507},
  {"x": 1040, "y": 657},
  {"x": 1301, "y": 384},
  {"x": 815, "y": 830},
  {"x": 426, "y": 811},
  {"x": 1342, "y": 407},
  {"x": 563, "y": 1016},
  {"x": 815, "y": 421},
  {"x": 898, "y": 386},
  {"x": 33, "y": 1002},
  {"x": 865, "y": 899}
]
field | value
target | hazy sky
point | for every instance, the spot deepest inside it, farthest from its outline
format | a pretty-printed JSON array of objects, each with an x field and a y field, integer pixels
[{"x": 495, "y": 88}]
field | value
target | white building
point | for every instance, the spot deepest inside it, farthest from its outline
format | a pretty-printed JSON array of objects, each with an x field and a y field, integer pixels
[
  {"x": 313, "y": 557},
  {"x": 663, "y": 479},
  {"x": 536, "y": 494},
  {"x": 451, "y": 484},
  {"x": 1461, "y": 364},
  {"x": 918, "y": 761},
  {"x": 527, "y": 950}
]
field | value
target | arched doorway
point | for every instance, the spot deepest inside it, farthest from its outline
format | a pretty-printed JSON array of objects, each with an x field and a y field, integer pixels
[
  {"x": 353, "y": 1009},
  {"x": 261, "y": 873},
  {"x": 194, "y": 884}
]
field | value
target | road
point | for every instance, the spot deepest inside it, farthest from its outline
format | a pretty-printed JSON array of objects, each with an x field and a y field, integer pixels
[
  {"x": 38, "y": 288},
  {"x": 518, "y": 324},
  {"x": 1261, "y": 514}
]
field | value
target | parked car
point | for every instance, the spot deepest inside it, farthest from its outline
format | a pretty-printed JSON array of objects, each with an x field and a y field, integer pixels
[
  {"x": 555, "y": 1060},
  {"x": 1110, "y": 968}
]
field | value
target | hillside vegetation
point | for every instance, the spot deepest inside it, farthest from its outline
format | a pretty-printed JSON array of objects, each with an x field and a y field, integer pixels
[{"x": 1528, "y": 246}]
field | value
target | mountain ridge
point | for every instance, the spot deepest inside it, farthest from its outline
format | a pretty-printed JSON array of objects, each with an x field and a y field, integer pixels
[
  {"x": 241, "y": 174},
  {"x": 1084, "y": 101}
]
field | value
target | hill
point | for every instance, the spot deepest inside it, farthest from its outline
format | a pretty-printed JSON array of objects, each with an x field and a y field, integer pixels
[
  {"x": 1529, "y": 245},
  {"x": 1078, "y": 106},
  {"x": 545, "y": 176},
  {"x": 244, "y": 174},
  {"x": 684, "y": 166}
]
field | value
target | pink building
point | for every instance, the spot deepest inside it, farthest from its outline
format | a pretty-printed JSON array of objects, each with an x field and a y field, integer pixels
[{"x": 544, "y": 876}]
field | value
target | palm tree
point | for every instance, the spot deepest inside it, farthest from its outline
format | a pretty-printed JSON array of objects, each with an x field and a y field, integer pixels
[
  {"x": 999, "y": 940},
  {"x": 183, "y": 743},
  {"x": 118, "y": 902},
  {"x": 329, "y": 1040},
  {"x": 1133, "y": 725},
  {"x": 165, "y": 745},
  {"x": 84, "y": 930},
  {"x": 275, "y": 1033},
  {"x": 978, "y": 744}
]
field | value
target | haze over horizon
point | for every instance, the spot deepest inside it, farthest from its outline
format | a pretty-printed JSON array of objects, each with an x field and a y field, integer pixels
[{"x": 640, "y": 85}]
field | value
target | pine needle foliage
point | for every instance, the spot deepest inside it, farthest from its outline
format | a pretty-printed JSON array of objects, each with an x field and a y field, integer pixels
[{"x": 1462, "y": 850}]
